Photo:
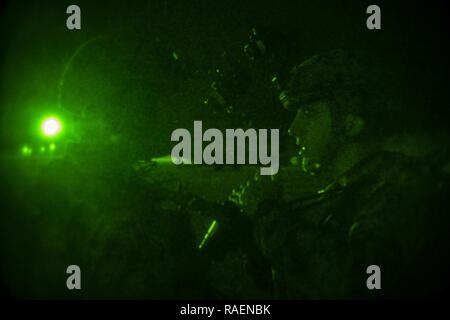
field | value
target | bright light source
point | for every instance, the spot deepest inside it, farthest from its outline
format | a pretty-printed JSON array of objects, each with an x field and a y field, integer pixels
[{"x": 51, "y": 127}]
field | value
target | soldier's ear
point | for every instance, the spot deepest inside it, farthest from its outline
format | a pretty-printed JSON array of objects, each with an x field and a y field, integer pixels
[{"x": 354, "y": 125}]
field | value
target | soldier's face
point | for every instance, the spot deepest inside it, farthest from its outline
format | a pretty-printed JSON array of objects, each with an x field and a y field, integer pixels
[{"x": 312, "y": 128}]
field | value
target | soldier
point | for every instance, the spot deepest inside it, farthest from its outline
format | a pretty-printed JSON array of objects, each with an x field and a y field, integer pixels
[
  {"x": 361, "y": 181},
  {"x": 383, "y": 188}
]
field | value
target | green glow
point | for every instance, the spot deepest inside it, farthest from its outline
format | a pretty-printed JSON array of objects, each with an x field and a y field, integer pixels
[
  {"x": 163, "y": 160},
  {"x": 168, "y": 160},
  {"x": 52, "y": 147},
  {"x": 208, "y": 234},
  {"x": 26, "y": 151},
  {"x": 293, "y": 161},
  {"x": 42, "y": 149},
  {"x": 304, "y": 164},
  {"x": 51, "y": 127}
]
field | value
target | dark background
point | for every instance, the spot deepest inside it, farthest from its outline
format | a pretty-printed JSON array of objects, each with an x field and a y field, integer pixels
[{"x": 36, "y": 46}]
